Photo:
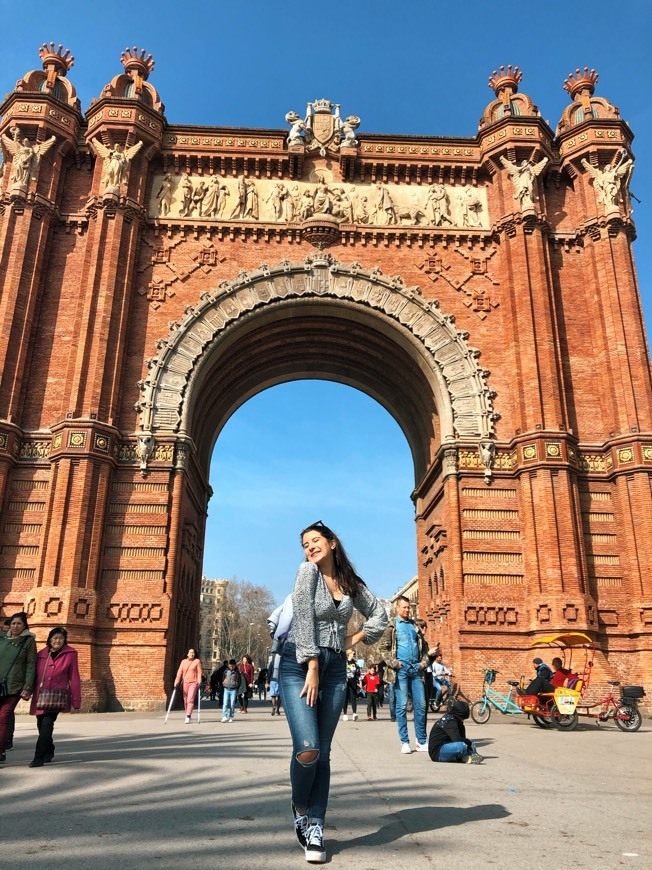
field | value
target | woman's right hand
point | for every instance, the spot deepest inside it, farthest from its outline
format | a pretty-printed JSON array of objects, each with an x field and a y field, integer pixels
[{"x": 311, "y": 687}]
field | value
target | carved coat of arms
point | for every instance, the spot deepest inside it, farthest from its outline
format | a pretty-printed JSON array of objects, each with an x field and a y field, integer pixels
[{"x": 322, "y": 130}]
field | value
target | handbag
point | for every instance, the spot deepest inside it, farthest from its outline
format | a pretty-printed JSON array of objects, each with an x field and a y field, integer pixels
[
  {"x": 3, "y": 688},
  {"x": 51, "y": 699}
]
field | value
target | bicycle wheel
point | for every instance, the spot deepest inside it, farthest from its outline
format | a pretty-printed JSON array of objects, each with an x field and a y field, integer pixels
[
  {"x": 541, "y": 721},
  {"x": 481, "y": 711},
  {"x": 563, "y": 721},
  {"x": 633, "y": 721}
]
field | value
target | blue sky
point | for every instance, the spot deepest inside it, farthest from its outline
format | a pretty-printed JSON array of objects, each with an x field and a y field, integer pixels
[{"x": 416, "y": 67}]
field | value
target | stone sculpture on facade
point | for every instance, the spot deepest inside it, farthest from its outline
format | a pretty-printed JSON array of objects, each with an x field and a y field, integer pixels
[
  {"x": 144, "y": 450},
  {"x": 25, "y": 158},
  {"x": 349, "y": 126},
  {"x": 215, "y": 198},
  {"x": 164, "y": 195},
  {"x": 523, "y": 178},
  {"x": 437, "y": 209},
  {"x": 470, "y": 206},
  {"x": 322, "y": 130},
  {"x": 384, "y": 210},
  {"x": 608, "y": 181},
  {"x": 487, "y": 451},
  {"x": 116, "y": 164},
  {"x": 186, "y": 188},
  {"x": 379, "y": 203}
]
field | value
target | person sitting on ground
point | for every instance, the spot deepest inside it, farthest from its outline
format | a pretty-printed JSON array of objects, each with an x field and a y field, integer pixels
[
  {"x": 448, "y": 741},
  {"x": 541, "y": 683}
]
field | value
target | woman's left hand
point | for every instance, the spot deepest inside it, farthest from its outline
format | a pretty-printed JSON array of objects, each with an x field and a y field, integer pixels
[
  {"x": 311, "y": 687},
  {"x": 25, "y": 695}
]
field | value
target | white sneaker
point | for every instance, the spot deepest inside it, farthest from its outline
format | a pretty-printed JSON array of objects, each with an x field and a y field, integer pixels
[
  {"x": 315, "y": 853},
  {"x": 345, "y": 717},
  {"x": 230, "y": 718},
  {"x": 225, "y": 718},
  {"x": 405, "y": 749},
  {"x": 355, "y": 717},
  {"x": 421, "y": 747},
  {"x": 187, "y": 720}
]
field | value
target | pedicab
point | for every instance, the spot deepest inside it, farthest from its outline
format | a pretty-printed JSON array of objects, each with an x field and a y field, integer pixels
[{"x": 563, "y": 707}]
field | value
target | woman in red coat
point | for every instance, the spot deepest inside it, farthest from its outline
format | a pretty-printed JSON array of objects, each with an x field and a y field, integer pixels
[
  {"x": 247, "y": 671},
  {"x": 56, "y": 668}
]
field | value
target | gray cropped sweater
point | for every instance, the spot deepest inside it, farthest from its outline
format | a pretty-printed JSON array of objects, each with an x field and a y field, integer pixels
[{"x": 316, "y": 621}]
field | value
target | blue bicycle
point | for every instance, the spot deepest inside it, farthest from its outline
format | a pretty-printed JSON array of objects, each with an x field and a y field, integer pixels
[{"x": 481, "y": 710}]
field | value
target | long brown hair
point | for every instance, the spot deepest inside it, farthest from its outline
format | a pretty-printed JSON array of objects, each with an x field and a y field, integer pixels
[{"x": 350, "y": 582}]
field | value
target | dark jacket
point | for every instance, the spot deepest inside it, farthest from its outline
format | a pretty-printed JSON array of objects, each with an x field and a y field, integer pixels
[
  {"x": 18, "y": 662},
  {"x": 231, "y": 678},
  {"x": 387, "y": 650},
  {"x": 449, "y": 729}
]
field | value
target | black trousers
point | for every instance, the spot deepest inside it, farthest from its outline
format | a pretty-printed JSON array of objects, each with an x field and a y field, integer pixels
[
  {"x": 45, "y": 724},
  {"x": 351, "y": 698}
]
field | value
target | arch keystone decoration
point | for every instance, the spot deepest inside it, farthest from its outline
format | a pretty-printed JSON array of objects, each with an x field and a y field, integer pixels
[{"x": 164, "y": 405}]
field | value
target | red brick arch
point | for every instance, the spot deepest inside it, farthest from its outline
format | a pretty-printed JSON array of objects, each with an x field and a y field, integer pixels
[{"x": 191, "y": 371}]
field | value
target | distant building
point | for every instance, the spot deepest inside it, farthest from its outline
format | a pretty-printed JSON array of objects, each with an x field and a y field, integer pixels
[{"x": 211, "y": 604}]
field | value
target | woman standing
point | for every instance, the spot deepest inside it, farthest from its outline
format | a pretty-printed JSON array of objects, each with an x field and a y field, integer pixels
[
  {"x": 247, "y": 671},
  {"x": 312, "y": 672},
  {"x": 352, "y": 686},
  {"x": 57, "y": 669},
  {"x": 17, "y": 671},
  {"x": 189, "y": 676}
]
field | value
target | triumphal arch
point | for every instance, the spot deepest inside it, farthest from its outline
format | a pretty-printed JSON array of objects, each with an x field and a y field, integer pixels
[{"x": 153, "y": 277}]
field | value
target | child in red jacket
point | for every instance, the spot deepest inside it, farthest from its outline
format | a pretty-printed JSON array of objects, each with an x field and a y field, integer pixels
[{"x": 371, "y": 681}]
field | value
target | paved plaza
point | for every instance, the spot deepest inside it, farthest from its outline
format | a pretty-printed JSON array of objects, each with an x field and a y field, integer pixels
[{"x": 128, "y": 791}]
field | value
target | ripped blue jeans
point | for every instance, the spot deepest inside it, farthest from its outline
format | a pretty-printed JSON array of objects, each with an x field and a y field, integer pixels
[{"x": 312, "y": 728}]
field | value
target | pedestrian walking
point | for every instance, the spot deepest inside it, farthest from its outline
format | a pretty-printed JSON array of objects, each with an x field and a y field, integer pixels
[
  {"x": 230, "y": 682},
  {"x": 58, "y": 690},
  {"x": 246, "y": 690},
  {"x": 352, "y": 686},
  {"x": 189, "y": 676},
  {"x": 371, "y": 683},
  {"x": 17, "y": 672},
  {"x": 312, "y": 673}
]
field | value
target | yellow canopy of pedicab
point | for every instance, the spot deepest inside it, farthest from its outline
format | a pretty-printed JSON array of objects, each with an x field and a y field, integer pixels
[{"x": 568, "y": 638}]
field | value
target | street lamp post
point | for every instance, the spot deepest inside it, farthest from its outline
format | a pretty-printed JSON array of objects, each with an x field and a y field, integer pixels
[{"x": 249, "y": 639}]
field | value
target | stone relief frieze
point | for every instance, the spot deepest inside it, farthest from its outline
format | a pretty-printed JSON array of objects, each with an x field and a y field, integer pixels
[{"x": 269, "y": 201}]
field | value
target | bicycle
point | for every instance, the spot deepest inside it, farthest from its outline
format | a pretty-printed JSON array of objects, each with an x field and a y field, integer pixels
[
  {"x": 481, "y": 710},
  {"x": 623, "y": 709}
]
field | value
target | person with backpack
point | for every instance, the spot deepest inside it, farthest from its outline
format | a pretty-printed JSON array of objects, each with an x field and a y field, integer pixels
[{"x": 312, "y": 672}]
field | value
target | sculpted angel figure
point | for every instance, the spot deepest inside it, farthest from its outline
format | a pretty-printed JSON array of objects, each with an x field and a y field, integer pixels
[
  {"x": 25, "y": 157},
  {"x": 116, "y": 163},
  {"x": 607, "y": 181},
  {"x": 523, "y": 177}
]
